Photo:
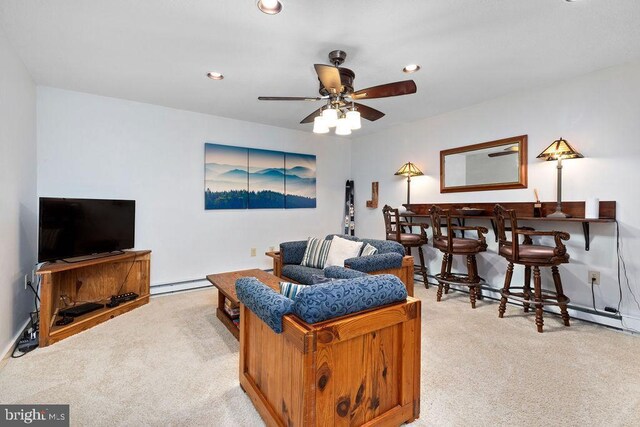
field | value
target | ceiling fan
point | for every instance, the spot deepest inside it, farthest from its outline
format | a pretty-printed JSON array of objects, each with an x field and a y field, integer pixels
[{"x": 336, "y": 88}]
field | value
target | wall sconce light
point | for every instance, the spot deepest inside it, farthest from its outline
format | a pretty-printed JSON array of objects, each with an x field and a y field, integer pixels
[{"x": 558, "y": 150}]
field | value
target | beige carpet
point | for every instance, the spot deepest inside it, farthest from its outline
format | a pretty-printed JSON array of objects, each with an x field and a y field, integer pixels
[{"x": 172, "y": 363}]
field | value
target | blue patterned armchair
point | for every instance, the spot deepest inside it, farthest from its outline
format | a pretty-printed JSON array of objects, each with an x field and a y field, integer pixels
[
  {"x": 295, "y": 352},
  {"x": 323, "y": 301}
]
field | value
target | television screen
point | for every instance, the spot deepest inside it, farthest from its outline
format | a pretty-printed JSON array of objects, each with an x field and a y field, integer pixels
[{"x": 77, "y": 227}]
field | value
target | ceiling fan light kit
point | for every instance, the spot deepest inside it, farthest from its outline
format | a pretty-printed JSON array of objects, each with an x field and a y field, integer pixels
[
  {"x": 354, "y": 119},
  {"x": 320, "y": 125},
  {"x": 342, "y": 127},
  {"x": 330, "y": 117},
  {"x": 336, "y": 89}
]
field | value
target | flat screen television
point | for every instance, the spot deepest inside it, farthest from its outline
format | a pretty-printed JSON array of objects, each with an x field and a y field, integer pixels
[{"x": 71, "y": 228}]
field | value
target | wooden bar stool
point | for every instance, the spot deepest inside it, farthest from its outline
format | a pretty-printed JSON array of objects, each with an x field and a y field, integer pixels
[
  {"x": 450, "y": 245},
  {"x": 395, "y": 231},
  {"x": 535, "y": 256}
]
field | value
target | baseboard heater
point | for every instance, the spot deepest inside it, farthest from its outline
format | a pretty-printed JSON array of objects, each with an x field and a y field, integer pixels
[{"x": 183, "y": 285}]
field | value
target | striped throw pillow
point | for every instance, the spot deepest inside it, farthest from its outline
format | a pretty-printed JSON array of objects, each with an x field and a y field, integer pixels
[
  {"x": 368, "y": 250},
  {"x": 290, "y": 290},
  {"x": 315, "y": 256}
]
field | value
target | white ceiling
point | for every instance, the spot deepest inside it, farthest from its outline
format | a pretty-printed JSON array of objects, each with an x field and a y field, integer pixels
[{"x": 158, "y": 51}]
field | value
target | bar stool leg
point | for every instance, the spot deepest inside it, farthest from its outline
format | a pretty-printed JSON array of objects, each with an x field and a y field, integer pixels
[
  {"x": 423, "y": 269},
  {"x": 471, "y": 277},
  {"x": 474, "y": 263},
  {"x": 537, "y": 285},
  {"x": 443, "y": 271},
  {"x": 527, "y": 287},
  {"x": 505, "y": 290},
  {"x": 563, "y": 306},
  {"x": 472, "y": 296},
  {"x": 449, "y": 264}
]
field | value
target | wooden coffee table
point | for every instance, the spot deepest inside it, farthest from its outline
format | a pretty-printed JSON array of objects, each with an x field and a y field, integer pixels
[{"x": 226, "y": 285}]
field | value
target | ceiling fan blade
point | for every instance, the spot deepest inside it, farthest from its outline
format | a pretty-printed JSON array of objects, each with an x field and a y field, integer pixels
[
  {"x": 288, "y": 98},
  {"x": 369, "y": 113},
  {"x": 329, "y": 77},
  {"x": 404, "y": 87},
  {"x": 310, "y": 117}
]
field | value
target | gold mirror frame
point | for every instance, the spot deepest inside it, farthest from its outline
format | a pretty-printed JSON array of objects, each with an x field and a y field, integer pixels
[{"x": 522, "y": 159}]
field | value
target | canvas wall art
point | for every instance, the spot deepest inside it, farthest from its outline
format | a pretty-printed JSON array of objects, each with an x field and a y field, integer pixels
[
  {"x": 300, "y": 179},
  {"x": 226, "y": 177},
  {"x": 248, "y": 178},
  {"x": 266, "y": 179}
]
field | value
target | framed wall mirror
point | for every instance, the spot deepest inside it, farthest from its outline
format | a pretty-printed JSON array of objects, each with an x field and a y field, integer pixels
[{"x": 493, "y": 165}]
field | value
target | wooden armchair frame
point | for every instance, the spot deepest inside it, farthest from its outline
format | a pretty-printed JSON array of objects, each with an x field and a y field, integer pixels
[{"x": 358, "y": 369}]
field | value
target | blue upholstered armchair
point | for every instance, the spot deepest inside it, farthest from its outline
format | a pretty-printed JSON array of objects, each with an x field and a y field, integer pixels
[
  {"x": 323, "y": 301},
  {"x": 363, "y": 322},
  {"x": 390, "y": 258}
]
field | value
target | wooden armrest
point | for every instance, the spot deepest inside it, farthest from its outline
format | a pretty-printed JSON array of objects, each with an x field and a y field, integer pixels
[
  {"x": 558, "y": 237},
  {"x": 468, "y": 228},
  {"x": 480, "y": 230},
  {"x": 557, "y": 234}
]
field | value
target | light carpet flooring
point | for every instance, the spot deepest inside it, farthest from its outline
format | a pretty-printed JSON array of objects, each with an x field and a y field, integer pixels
[{"x": 171, "y": 362}]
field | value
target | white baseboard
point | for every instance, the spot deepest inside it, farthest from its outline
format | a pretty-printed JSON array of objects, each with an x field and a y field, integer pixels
[
  {"x": 628, "y": 324},
  {"x": 631, "y": 324},
  {"x": 180, "y": 286}
]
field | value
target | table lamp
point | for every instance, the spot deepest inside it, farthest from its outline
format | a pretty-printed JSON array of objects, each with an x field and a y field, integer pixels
[
  {"x": 409, "y": 169},
  {"x": 558, "y": 150}
]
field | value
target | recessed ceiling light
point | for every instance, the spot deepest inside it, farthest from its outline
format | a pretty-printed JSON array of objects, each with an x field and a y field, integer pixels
[
  {"x": 411, "y": 68},
  {"x": 214, "y": 75},
  {"x": 270, "y": 7}
]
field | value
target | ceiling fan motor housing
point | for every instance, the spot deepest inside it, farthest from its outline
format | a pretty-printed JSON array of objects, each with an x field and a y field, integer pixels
[
  {"x": 346, "y": 78},
  {"x": 337, "y": 57}
]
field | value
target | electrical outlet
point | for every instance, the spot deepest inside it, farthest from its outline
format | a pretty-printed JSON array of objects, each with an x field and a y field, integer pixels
[
  {"x": 26, "y": 280},
  {"x": 594, "y": 277},
  {"x": 253, "y": 251}
]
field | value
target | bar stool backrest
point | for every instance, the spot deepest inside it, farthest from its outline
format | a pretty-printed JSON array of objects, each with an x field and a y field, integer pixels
[
  {"x": 436, "y": 213},
  {"x": 392, "y": 222},
  {"x": 502, "y": 215}
]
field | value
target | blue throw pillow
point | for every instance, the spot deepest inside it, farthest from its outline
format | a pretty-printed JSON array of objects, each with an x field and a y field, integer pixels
[
  {"x": 315, "y": 256},
  {"x": 368, "y": 250}
]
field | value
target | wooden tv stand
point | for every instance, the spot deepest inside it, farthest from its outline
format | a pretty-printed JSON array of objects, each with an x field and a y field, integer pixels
[{"x": 94, "y": 280}]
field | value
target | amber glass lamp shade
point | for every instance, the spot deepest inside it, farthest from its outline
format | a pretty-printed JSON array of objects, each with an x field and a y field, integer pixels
[{"x": 559, "y": 149}]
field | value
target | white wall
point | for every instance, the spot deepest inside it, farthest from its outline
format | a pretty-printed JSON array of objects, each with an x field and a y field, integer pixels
[
  {"x": 17, "y": 192},
  {"x": 598, "y": 113},
  {"x": 97, "y": 147}
]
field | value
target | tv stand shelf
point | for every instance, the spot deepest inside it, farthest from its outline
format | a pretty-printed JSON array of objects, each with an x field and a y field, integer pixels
[{"x": 94, "y": 280}]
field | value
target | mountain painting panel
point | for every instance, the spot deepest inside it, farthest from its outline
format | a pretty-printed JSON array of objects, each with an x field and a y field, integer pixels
[
  {"x": 300, "y": 181},
  {"x": 266, "y": 179},
  {"x": 226, "y": 177}
]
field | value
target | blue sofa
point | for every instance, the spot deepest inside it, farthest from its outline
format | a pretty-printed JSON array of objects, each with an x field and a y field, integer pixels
[{"x": 390, "y": 259}]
